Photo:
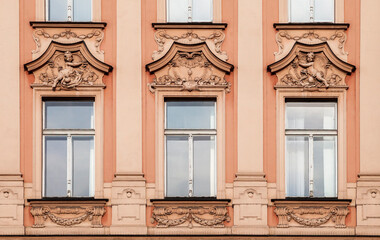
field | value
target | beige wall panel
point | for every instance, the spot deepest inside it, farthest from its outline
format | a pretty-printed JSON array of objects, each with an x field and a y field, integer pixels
[
  {"x": 250, "y": 87},
  {"x": 369, "y": 93},
  {"x": 9, "y": 105},
  {"x": 128, "y": 87}
]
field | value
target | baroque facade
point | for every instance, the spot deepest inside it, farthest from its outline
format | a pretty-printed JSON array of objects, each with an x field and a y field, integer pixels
[{"x": 143, "y": 119}]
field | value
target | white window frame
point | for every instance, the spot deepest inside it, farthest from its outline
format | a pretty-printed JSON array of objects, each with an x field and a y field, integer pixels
[
  {"x": 190, "y": 133},
  {"x": 69, "y": 133},
  {"x": 341, "y": 98},
  {"x": 160, "y": 95},
  {"x": 163, "y": 11},
  {"x": 70, "y": 7},
  {"x": 310, "y": 134},
  {"x": 311, "y": 12}
]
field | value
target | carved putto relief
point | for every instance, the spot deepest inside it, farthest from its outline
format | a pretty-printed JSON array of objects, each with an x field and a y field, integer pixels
[
  {"x": 312, "y": 216},
  {"x": 67, "y": 71},
  {"x": 311, "y": 67},
  {"x": 67, "y": 67},
  {"x": 204, "y": 216},
  {"x": 311, "y": 70},
  {"x": 189, "y": 70},
  {"x": 67, "y": 216}
]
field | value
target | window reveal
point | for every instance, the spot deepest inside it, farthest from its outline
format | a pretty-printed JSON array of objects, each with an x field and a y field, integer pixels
[
  {"x": 190, "y": 136},
  {"x": 68, "y": 137},
  {"x": 311, "y": 149}
]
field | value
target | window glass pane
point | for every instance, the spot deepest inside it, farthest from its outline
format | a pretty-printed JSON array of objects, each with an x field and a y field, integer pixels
[
  {"x": 299, "y": 10},
  {"x": 82, "y": 10},
  {"x": 55, "y": 166},
  {"x": 83, "y": 166},
  {"x": 57, "y": 10},
  {"x": 69, "y": 115},
  {"x": 202, "y": 10},
  {"x": 324, "y": 157},
  {"x": 297, "y": 166},
  {"x": 190, "y": 115},
  {"x": 177, "y": 166},
  {"x": 310, "y": 115},
  {"x": 204, "y": 166},
  {"x": 178, "y": 10},
  {"x": 324, "y": 11}
]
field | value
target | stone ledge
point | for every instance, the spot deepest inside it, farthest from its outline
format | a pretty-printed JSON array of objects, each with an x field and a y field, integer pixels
[
  {"x": 306, "y": 26},
  {"x": 221, "y": 26},
  {"x": 43, "y": 24}
]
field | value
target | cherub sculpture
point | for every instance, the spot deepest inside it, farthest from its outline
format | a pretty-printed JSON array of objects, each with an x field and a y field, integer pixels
[
  {"x": 310, "y": 73},
  {"x": 67, "y": 75}
]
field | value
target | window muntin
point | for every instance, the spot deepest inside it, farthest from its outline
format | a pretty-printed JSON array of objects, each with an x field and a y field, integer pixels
[
  {"x": 190, "y": 148},
  {"x": 311, "y": 10},
  {"x": 68, "y": 137},
  {"x": 311, "y": 149},
  {"x": 189, "y": 10},
  {"x": 69, "y": 10}
]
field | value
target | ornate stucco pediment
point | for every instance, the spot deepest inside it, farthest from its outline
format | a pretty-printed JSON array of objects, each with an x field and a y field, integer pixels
[
  {"x": 189, "y": 67},
  {"x": 67, "y": 66},
  {"x": 311, "y": 66}
]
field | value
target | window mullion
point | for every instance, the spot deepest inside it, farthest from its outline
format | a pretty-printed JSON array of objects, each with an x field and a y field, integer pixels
[
  {"x": 312, "y": 7},
  {"x": 69, "y": 10},
  {"x": 69, "y": 165},
  {"x": 311, "y": 166},
  {"x": 191, "y": 167},
  {"x": 190, "y": 11}
]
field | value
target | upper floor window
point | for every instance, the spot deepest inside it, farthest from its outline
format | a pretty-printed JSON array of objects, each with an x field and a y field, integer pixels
[
  {"x": 311, "y": 149},
  {"x": 69, "y": 10},
  {"x": 189, "y": 10},
  {"x": 311, "y": 10},
  {"x": 190, "y": 138},
  {"x": 68, "y": 148}
]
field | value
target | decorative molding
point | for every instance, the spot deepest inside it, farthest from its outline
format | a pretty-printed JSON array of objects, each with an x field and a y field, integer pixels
[
  {"x": 303, "y": 26},
  {"x": 190, "y": 37},
  {"x": 221, "y": 26},
  {"x": 311, "y": 66},
  {"x": 68, "y": 33},
  {"x": 311, "y": 213},
  {"x": 67, "y": 66},
  {"x": 50, "y": 24},
  {"x": 311, "y": 35},
  {"x": 209, "y": 214},
  {"x": 189, "y": 67},
  {"x": 67, "y": 214}
]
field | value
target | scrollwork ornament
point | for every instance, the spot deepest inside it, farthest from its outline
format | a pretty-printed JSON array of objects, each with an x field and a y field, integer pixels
[
  {"x": 174, "y": 216},
  {"x": 97, "y": 34},
  {"x": 190, "y": 71},
  {"x": 161, "y": 37}
]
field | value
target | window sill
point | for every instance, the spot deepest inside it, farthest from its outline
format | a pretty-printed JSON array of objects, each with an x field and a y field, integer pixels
[
  {"x": 307, "y": 199},
  {"x": 68, "y": 199},
  {"x": 309, "y": 25},
  {"x": 48, "y": 24},
  {"x": 193, "y": 25},
  {"x": 190, "y": 199}
]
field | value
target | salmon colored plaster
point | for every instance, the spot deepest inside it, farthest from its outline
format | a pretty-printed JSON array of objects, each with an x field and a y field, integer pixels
[
  {"x": 271, "y": 9},
  {"x": 26, "y": 98},
  {"x": 229, "y": 13},
  {"x": 109, "y": 47},
  {"x": 26, "y": 101},
  {"x": 352, "y": 16},
  {"x": 148, "y": 45}
]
